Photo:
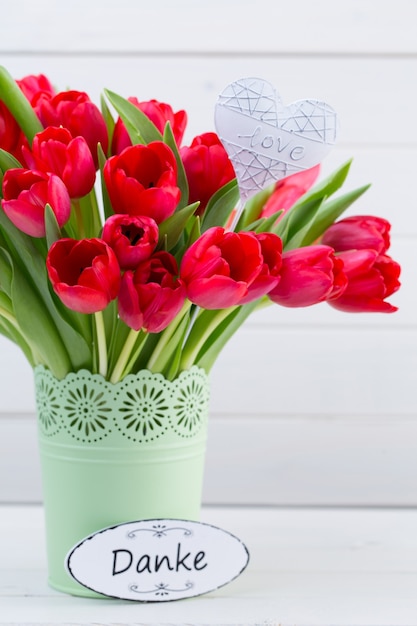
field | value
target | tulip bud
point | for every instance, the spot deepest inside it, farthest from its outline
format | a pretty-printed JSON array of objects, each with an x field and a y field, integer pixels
[
  {"x": 308, "y": 276},
  {"x": 142, "y": 180},
  {"x": 55, "y": 150},
  {"x": 84, "y": 274},
  {"x": 152, "y": 295},
  {"x": 207, "y": 166},
  {"x": 75, "y": 111},
  {"x": 372, "y": 278},
  {"x": 159, "y": 113},
  {"x": 25, "y": 195},
  {"x": 133, "y": 239},
  {"x": 358, "y": 233}
]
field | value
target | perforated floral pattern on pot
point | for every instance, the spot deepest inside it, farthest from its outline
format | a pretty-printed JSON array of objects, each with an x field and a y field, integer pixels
[
  {"x": 141, "y": 408},
  {"x": 190, "y": 404},
  {"x": 86, "y": 406},
  {"x": 48, "y": 405}
]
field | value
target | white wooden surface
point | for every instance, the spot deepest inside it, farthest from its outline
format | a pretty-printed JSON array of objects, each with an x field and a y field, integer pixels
[
  {"x": 329, "y": 567},
  {"x": 310, "y": 406}
]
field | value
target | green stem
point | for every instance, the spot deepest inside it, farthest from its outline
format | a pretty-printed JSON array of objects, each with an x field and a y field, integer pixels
[
  {"x": 101, "y": 344},
  {"x": 10, "y": 318},
  {"x": 79, "y": 219},
  {"x": 124, "y": 356},
  {"x": 165, "y": 338},
  {"x": 194, "y": 344}
]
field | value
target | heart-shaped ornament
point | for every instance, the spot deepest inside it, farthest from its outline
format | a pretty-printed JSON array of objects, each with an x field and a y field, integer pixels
[{"x": 267, "y": 141}]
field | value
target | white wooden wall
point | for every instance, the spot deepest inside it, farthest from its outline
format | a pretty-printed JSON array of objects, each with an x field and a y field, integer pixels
[{"x": 311, "y": 406}]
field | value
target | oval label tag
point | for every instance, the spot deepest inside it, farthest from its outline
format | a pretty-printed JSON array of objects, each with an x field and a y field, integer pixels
[{"x": 157, "y": 560}]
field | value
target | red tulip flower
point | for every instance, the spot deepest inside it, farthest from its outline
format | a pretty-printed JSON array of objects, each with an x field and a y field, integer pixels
[
  {"x": 372, "y": 278},
  {"x": 358, "y": 233},
  {"x": 133, "y": 239},
  {"x": 207, "y": 167},
  {"x": 25, "y": 195},
  {"x": 10, "y": 134},
  {"x": 84, "y": 273},
  {"x": 34, "y": 86},
  {"x": 75, "y": 111},
  {"x": 269, "y": 275},
  {"x": 55, "y": 150},
  {"x": 288, "y": 190},
  {"x": 308, "y": 276},
  {"x": 159, "y": 113},
  {"x": 221, "y": 268},
  {"x": 152, "y": 295},
  {"x": 142, "y": 180}
]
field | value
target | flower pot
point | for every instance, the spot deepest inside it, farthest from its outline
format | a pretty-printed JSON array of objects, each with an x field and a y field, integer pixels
[{"x": 114, "y": 453}]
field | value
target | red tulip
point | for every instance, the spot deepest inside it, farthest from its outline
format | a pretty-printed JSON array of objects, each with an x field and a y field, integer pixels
[
  {"x": 152, "y": 295},
  {"x": 84, "y": 274},
  {"x": 288, "y": 190},
  {"x": 132, "y": 238},
  {"x": 142, "y": 180},
  {"x": 159, "y": 113},
  {"x": 34, "y": 86},
  {"x": 372, "y": 278},
  {"x": 269, "y": 276},
  {"x": 220, "y": 268},
  {"x": 75, "y": 111},
  {"x": 10, "y": 133},
  {"x": 207, "y": 167},
  {"x": 55, "y": 150},
  {"x": 25, "y": 195},
  {"x": 308, "y": 276},
  {"x": 358, "y": 233}
]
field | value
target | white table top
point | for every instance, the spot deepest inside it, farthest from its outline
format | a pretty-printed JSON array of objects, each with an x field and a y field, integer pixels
[{"x": 315, "y": 567}]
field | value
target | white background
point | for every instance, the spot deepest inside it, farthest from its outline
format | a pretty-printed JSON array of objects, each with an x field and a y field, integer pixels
[{"x": 309, "y": 406}]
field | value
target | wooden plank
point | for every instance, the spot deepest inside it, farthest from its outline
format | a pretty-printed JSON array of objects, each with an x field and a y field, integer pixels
[
  {"x": 335, "y": 567},
  {"x": 376, "y": 112},
  {"x": 288, "y": 371},
  {"x": 326, "y": 373},
  {"x": 322, "y": 27},
  {"x": 297, "y": 460}
]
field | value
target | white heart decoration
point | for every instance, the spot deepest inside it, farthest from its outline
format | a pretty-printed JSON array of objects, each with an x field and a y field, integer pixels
[{"x": 267, "y": 141}]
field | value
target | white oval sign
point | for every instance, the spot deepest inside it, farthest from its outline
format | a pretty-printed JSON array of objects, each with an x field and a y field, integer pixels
[{"x": 157, "y": 560}]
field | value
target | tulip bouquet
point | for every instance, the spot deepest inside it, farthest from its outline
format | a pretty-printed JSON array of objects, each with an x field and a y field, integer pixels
[{"x": 121, "y": 249}]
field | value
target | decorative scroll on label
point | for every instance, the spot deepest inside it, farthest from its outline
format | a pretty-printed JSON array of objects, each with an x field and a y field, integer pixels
[
  {"x": 157, "y": 560},
  {"x": 267, "y": 141}
]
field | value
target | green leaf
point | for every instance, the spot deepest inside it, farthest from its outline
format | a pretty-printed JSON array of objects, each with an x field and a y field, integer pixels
[
  {"x": 108, "y": 118},
  {"x": 297, "y": 219},
  {"x": 71, "y": 330},
  {"x": 8, "y": 330},
  {"x": 327, "y": 186},
  {"x": 171, "y": 229},
  {"x": 6, "y": 272},
  {"x": 195, "y": 230},
  {"x": 53, "y": 231},
  {"x": 169, "y": 139},
  {"x": 138, "y": 125},
  {"x": 107, "y": 207},
  {"x": 90, "y": 215},
  {"x": 264, "y": 224},
  {"x": 38, "y": 327},
  {"x": 253, "y": 208},
  {"x": 328, "y": 213},
  {"x": 220, "y": 206},
  {"x": 8, "y": 161}
]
